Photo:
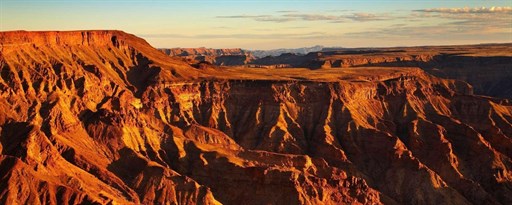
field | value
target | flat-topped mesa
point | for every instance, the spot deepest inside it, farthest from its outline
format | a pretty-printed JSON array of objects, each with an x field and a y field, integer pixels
[
  {"x": 48, "y": 38},
  {"x": 122, "y": 57}
]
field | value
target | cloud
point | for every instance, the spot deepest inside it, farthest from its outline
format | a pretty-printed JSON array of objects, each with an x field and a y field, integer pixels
[
  {"x": 244, "y": 16},
  {"x": 241, "y": 36},
  {"x": 486, "y": 23},
  {"x": 274, "y": 19},
  {"x": 287, "y": 17},
  {"x": 399, "y": 25},
  {"x": 258, "y": 18},
  {"x": 312, "y": 17},
  {"x": 467, "y": 10},
  {"x": 287, "y": 11},
  {"x": 296, "y": 27},
  {"x": 497, "y": 19},
  {"x": 460, "y": 29},
  {"x": 367, "y": 17},
  {"x": 339, "y": 10},
  {"x": 222, "y": 27}
]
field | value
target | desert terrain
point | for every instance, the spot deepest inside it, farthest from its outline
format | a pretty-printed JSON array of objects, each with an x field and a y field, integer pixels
[
  {"x": 102, "y": 117},
  {"x": 485, "y": 66}
]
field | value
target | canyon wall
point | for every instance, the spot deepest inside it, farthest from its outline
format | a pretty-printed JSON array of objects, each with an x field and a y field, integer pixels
[
  {"x": 102, "y": 117},
  {"x": 485, "y": 67}
]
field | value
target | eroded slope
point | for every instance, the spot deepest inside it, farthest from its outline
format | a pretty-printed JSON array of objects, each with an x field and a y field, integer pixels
[{"x": 100, "y": 116}]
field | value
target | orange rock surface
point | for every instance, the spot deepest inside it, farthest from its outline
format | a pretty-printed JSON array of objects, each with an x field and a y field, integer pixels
[{"x": 102, "y": 117}]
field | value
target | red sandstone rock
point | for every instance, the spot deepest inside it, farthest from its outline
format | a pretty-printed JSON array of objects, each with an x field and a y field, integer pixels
[{"x": 102, "y": 117}]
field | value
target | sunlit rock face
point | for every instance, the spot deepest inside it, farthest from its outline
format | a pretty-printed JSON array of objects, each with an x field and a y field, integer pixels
[{"x": 102, "y": 117}]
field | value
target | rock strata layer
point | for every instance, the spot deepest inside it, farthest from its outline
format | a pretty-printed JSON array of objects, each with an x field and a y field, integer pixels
[{"x": 102, "y": 117}]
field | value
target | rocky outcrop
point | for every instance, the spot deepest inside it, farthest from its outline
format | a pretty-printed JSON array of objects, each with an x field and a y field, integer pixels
[
  {"x": 123, "y": 123},
  {"x": 56, "y": 142}
]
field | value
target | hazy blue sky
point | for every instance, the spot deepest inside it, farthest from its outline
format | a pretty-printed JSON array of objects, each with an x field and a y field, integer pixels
[{"x": 273, "y": 24}]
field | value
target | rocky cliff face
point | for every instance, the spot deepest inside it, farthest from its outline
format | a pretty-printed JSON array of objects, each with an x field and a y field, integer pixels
[
  {"x": 485, "y": 67},
  {"x": 101, "y": 117},
  {"x": 222, "y": 57}
]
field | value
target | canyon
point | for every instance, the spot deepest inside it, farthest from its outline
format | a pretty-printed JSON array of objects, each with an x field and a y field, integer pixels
[
  {"x": 102, "y": 117},
  {"x": 485, "y": 66}
]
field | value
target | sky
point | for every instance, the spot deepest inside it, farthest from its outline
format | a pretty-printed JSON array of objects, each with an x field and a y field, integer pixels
[{"x": 269, "y": 24}]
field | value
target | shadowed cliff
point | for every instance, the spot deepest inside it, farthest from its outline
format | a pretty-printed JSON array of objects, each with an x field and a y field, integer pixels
[{"x": 485, "y": 67}]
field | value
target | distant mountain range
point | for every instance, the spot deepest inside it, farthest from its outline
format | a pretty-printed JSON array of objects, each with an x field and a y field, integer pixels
[
  {"x": 279, "y": 51},
  {"x": 224, "y": 56},
  {"x": 239, "y": 51}
]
